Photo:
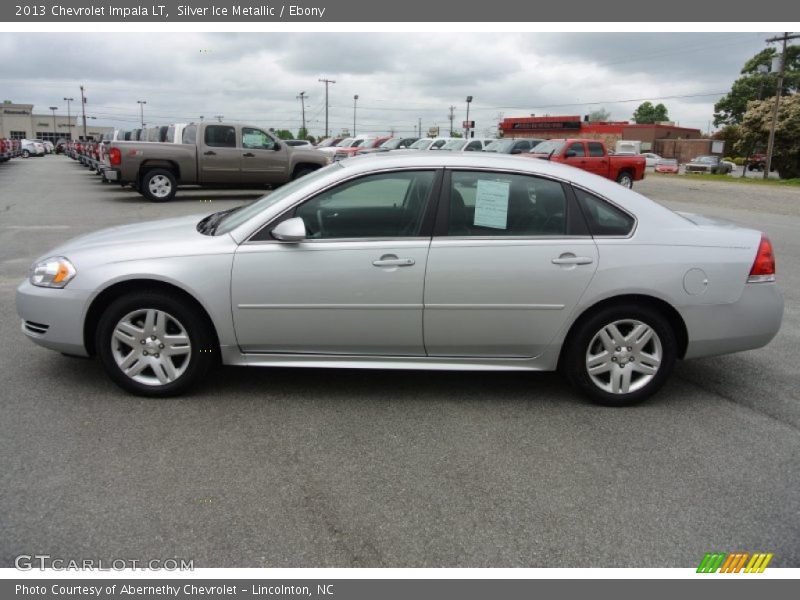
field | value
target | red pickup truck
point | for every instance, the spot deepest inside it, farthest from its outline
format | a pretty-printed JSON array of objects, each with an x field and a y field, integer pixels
[{"x": 592, "y": 156}]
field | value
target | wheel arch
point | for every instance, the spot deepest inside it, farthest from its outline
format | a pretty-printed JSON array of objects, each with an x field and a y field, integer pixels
[
  {"x": 104, "y": 299},
  {"x": 665, "y": 308},
  {"x": 304, "y": 165},
  {"x": 169, "y": 165}
]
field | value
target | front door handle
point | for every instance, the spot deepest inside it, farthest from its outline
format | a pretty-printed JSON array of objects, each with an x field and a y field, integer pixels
[
  {"x": 248, "y": 154},
  {"x": 210, "y": 153},
  {"x": 393, "y": 262},
  {"x": 572, "y": 260}
]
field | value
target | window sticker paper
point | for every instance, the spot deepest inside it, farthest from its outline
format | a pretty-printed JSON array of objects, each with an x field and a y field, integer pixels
[{"x": 491, "y": 204}]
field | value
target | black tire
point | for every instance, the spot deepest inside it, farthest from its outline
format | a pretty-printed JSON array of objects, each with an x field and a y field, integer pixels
[
  {"x": 201, "y": 356},
  {"x": 26, "y": 154},
  {"x": 584, "y": 340},
  {"x": 300, "y": 171},
  {"x": 625, "y": 179},
  {"x": 158, "y": 185}
]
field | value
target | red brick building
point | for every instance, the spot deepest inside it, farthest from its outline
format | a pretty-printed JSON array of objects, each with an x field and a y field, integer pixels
[{"x": 608, "y": 131}]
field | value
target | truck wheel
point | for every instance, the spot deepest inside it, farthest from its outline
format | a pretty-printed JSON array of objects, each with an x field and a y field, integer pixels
[
  {"x": 625, "y": 179},
  {"x": 299, "y": 172},
  {"x": 158, "y": 185},
  {"x": 26, "y": 154}
]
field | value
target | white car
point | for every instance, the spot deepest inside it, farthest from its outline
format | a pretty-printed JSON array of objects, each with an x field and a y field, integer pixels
[
  {"x": 466, "y": 145},
  {"x": 651, "y": 159},
  {"x": 430, "y": 143},
  {"x": 31, "y": 148}
]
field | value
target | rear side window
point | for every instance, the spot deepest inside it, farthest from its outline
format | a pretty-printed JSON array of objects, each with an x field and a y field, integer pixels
[
  {"x": 220, "y": 136},
  {"x": 602, "y": 217},
  {"x": 190, "y": 135},
  {"x": 596, "y": 149}
]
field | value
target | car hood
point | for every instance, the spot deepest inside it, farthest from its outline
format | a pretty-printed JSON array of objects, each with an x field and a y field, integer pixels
[{"x": 142, "y": 241}]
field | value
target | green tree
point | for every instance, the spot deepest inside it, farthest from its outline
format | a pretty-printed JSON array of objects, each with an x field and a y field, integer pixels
[
  {"x": 731, "y": 135},
  {"x": 302, "y": 134},
  {"x": 284, "y": 134},
  {"x": 755, "y": 85},
  {"x": 601, "y": 114},
  {"x": 647, "y": 113},
  {"x": 755, "y": 132}
]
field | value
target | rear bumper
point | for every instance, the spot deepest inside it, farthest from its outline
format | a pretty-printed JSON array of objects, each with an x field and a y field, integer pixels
[{"x": 750, "y": 322}]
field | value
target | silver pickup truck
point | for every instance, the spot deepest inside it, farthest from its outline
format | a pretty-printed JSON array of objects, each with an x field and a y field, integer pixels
[{"x": 212, "y": 154}]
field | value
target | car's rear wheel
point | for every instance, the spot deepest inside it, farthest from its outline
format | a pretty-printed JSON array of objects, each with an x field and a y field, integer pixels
[
  {"x": 154, "y": 344},
  {"x": 621, "y": 355},
  {"x": 26, "y": 154},
  {"x": 158, "y": 185},
  {"x": 625, "y": 179}
]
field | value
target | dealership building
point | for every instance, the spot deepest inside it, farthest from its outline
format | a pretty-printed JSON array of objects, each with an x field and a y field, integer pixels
[
  {"x": 19, "y": 121},
  {"x": 572, "y": 126}
]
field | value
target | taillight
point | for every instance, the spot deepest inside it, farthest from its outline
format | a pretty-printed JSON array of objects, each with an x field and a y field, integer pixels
[
  {"x": 764, "y": 265},
  {"x": 115, "y": 156}
]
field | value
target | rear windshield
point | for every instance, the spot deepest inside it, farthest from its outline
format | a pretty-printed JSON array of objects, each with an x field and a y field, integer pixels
[{"x": 549, "y": 146}]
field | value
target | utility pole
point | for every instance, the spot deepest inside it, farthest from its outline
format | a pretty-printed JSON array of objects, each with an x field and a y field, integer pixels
[
  {"x": 69, "y": 117},
  {"x": 327, "y": 82},
  {"x": 419, "y": 130},
  {"x": 55, "y": 129},
  {"x": 452, "y": 116},
  {"x": 141, "y": 104},
  {"x": 778, "y": 93},
  {"x": 302, "y": 98},
  {"x": 83, "y": 111},
  {"x": 467, "y": 128},
  {"x": 355, "y": 101}
]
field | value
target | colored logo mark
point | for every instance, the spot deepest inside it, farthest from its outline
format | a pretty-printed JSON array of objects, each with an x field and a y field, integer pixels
[{"x": 734, "y": 562}]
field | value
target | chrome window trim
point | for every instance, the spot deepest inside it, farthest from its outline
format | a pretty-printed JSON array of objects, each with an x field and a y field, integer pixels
[{"x": 324, "y": 189}]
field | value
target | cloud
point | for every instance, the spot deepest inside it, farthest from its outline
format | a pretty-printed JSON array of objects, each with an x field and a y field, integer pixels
[{"x": 399, "y": 77}]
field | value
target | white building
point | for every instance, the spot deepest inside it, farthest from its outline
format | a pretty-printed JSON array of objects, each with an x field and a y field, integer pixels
[{"x": 18, "y": 121}]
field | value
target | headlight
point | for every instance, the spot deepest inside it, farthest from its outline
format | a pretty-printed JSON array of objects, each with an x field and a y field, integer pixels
[{"x": 53, "y": 272}]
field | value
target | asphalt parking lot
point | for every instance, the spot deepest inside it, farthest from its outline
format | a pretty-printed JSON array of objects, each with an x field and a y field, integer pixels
[{"x": 319, "y": 468}]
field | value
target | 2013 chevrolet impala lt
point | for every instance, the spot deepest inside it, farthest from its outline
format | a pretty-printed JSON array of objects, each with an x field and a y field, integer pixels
[{"x": 415, "y": 261}]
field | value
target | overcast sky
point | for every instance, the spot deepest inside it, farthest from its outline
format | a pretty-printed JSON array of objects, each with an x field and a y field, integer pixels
[{"x": 399, "y": 77}]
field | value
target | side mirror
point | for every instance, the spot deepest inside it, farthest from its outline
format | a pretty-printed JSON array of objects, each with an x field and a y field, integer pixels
[
  {"x": 571, "y": 154},
  {"x": 290, "y": 230},
  {"x": 277, "y": 146}
]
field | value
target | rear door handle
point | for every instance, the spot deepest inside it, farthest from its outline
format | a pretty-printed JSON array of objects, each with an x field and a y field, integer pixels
[
  {"x": 393, "y": 262},
  {"x": 572, "y": 260},
  {"x": 210, "y": 153},
  {"x": 248, "y": 154}
]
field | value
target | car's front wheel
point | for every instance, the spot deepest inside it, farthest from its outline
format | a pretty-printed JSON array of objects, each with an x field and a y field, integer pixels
[
  {"x": 154, "y": 344},
  {"x": 621, "y": 355}
]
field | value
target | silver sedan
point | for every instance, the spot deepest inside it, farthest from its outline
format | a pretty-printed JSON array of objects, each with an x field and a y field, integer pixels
[{"x": 413, "y": 261}]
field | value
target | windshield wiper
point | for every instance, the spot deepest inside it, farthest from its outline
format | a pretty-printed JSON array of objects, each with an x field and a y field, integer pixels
[{"x": 209, "y": 225}]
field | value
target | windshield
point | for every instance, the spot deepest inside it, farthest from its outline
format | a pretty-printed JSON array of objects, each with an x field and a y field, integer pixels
[
  {"x": 421, "y": 144},
  {"x": 667, "y": 161},
  {"x": 345, "y": 143},
  {"x": 499, "y": 146},
  {"x": 707, "y": 159},
  {"x": 549, "y": 146},
  {"x": 454, "y": 145},
  {"x": 391, "y": 143},
  {"x": 326, "y": 143},
  {"x": 247, "y": 211}
]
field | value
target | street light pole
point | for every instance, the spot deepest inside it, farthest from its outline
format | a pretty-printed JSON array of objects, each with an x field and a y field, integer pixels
[
  {"x": 141, "y": 104},
  {"x": 83, "y": 112},
  {"x": 355, "y": 101},
  {"x": 55, "y": 130},
  {"x": 69, "y": 117},
  {"x": 327, "y": 82},
  {"x": 466, "y": 129},
  {"x": 302, "y": 98}
]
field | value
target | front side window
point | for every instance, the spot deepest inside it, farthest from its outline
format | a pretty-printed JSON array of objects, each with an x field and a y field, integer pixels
[
  {"x": 500, "y": 204},
  {"x": 474, "y": 146},
  {"x": 385, "y": 205},
  {"x": 603, "y": 218},
  {"x": 577, "y": 148},
  {"x": 220, "y": 136},
  {"x": 255, "y": 139}
]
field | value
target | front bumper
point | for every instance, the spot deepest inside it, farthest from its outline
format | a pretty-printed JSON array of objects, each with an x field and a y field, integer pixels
[
  {"x": 750, "y": 322},
  {"x": 54, "y": 318}
]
